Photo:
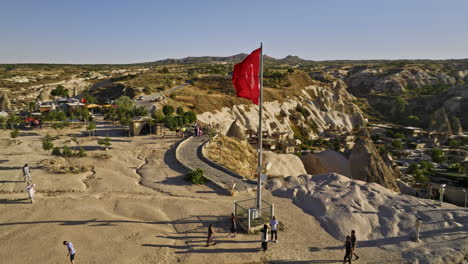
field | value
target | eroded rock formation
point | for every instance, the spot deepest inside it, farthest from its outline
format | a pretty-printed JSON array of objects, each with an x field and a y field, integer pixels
[{"x": 367, "y": 165}]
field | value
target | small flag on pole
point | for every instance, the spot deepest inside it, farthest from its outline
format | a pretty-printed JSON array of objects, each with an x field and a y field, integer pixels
[{"x": 245, "y": 77}]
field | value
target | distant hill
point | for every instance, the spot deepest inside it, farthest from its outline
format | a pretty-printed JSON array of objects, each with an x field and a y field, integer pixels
[{"x": 230, "y": 59}]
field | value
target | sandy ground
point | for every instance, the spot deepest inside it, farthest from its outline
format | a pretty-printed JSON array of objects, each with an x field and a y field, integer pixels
[{"x": 136, "y": 208}]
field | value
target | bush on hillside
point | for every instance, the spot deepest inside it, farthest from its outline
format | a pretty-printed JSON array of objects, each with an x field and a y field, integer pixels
[{"x": 196, "y": 177}]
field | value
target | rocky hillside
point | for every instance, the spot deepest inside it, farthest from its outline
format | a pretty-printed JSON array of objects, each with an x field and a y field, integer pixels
[
  {"x": 414, "y": 94},
  {"x": 316, "y": 109}
]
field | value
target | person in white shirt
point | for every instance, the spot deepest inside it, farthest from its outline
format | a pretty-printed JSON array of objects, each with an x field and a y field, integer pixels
[
  {"x": 31, "y": 191},
  {"x": 71, "y": 250},
  {"x": 274, "y": 228},
  {"x": 26, "y": 173}
]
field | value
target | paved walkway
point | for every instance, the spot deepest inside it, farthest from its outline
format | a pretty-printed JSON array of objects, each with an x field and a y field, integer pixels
[{"x": 189, "y": 154}]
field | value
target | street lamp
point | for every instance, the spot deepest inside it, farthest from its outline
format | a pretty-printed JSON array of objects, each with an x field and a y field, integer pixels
[{"x": 464, "y": 190}]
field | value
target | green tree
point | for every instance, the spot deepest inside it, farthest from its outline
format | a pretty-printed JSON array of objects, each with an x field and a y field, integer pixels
[
  {"x": 419, "y": 177},
  {"x": 91, "y": 127},
  {"x": 438, "y": 155},
  {"x": 397, "y": 144},
  {"x": 59, "y": 91},
  {"x": 67, "y": 152},
  {"x": 125, "y": 104},
  {"x": 89, "y": 98},
  {"x": 81, "y": 153},
  {"x": 59, "y": 126},
  {"x": 14, "y": 134},
  {"x": 31, "y": 106},
  {"x": 413, "y": 168},
  {"x": 168, "y": 110},
  {"x": 126, "y": 121},
  {"x": 192, "y": 117},
  {"x": 3, "y": 122},
  {"x": 158, "y": 117},
  {"x": 151, "y": 123},
  {"x": 180, "y": 111},
  {"x": 47, "y": 144},
  {"x": 399, "y": 107},
  {"x": 105, "y": 142},
  {"x": 14, "y": 120},
  {"x": 454, "y": 143}
]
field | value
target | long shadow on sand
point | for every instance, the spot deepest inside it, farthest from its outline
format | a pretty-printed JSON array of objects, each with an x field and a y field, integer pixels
[
  {"x": 10, "y": 181},
  {"x": 191, "y": 224},
  {"x": 15, "y": 201}
]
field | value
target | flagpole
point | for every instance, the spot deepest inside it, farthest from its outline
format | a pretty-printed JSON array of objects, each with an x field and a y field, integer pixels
[{"x": 260, "y": 134}]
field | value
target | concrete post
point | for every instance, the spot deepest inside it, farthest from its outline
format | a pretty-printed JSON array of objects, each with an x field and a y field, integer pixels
[{"x": 418, "y": 228}]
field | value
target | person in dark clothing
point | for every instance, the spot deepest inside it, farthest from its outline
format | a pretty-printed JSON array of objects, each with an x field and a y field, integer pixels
[
  {"x": 233, "y": 226},
  {"x": 349, "y": 250},
  {"x": 353, "y": 243},
  {"x": 209, "y": 241},
  {"x": 264, "y": 233}
]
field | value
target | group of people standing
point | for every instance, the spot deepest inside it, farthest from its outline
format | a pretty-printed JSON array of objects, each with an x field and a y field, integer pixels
[
  {"x": 274, "y": 233},
  {"x": 273, "y": 226},
  {"x": 28, "y": 179}
]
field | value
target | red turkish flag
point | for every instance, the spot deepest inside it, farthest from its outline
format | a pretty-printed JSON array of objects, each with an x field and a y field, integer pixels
[{"x": 245, "y": 77}]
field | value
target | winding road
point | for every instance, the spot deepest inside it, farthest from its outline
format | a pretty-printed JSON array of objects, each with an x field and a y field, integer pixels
[{"x": 189, "y": 153}]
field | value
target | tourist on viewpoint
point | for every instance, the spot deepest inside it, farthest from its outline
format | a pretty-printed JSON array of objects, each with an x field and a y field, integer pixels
[
  {"x": 31, "y": 191},
  {"x": 353, "y": 243},
  {"x": 274, "y": 229},
  {"x": 211, "y": 232},
  {"x": 349, "y": 250},
  {"x": 71, "y": 250},
  {"x": 27, "y": 174},
  {"x": 233, "y": 229},
  {"x": 264, "y": 233}
]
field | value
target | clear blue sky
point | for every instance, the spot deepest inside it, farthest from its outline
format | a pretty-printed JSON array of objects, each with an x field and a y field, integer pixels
[{"x": 99, "y": 31}]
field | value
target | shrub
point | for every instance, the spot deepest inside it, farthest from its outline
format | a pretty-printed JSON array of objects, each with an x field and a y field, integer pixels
[
  {"x": 196, "y": 177},
  {"x": 56, "y": 151},
  {"x": 66, "y": 152},
  {"x": 81, "y": 153}
]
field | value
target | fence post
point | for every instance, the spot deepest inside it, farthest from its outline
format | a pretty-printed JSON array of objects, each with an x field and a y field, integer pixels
[
  {"x": 248, "y": 221},
  {"x": 272, "y": 209},
  {"x": 235, "y": 208}
]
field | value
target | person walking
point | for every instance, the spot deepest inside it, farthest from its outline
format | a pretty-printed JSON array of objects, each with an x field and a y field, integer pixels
[
  {"x": 233, "y": 229},
  {"x": 211, "y": 232},
  {"x": 71, "y": 250},
  {"x": 264, "y": 233},
  {"x": 349, "y": 250},
  {"x": 27, "y": 174},
  {"x": 183, "y": 132},
  {"x": 274, "y": 228},
  {"x": 353, "y": 243},
  {"x": 31, "y": 191}
]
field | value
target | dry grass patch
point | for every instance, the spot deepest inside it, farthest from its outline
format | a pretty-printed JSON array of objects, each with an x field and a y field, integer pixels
[{"x": 238, "y": 156}]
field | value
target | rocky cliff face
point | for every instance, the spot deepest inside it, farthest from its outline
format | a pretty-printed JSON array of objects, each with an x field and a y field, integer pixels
[
  {"x": 319, "y": 108},
  {"x": 429, "y": 92},
  {"x": 396, "y": 80},
  {"x": 367, "y": 165}
]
